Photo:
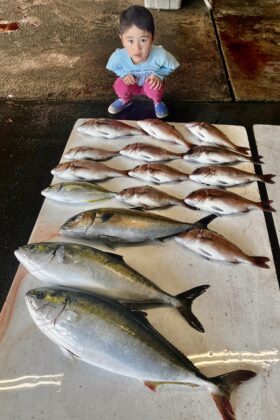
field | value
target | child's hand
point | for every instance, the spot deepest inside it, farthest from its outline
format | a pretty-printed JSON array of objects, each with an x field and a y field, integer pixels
[
  {"x": 154, "y": 82},
  {"x": 129, "y": 79}
]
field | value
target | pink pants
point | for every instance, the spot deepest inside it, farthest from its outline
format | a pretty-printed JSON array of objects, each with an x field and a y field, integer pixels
[{"x": 125, "y": 92}]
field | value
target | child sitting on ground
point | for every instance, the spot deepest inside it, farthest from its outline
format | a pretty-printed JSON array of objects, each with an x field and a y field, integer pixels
[{"x": 140, "y": 65}]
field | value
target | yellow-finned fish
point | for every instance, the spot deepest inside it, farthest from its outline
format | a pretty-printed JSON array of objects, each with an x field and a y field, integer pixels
[{"x": 105, "y": 334}]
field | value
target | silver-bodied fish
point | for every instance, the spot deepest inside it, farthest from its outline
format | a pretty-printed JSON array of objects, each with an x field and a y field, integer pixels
[
  {"x": 223, "y": 202},
  {"x": 77, "y": 192},
  {"x": 210, "y": 134},
  {"x": 113, "y": 225},
  {"x": 213, "y": 246},
  {"x": 108, "y": 128},
  {"x": 226, "y": 176},
  {"x": 158, "y": 173},
  {"x": 107, "y": 335},
  {"x": 87, "y": 268},
  {"x": 89, "y": 153},
  {"x": 76, "y": 170},
  {"x": 148, "y": 198},
  {"x": 216, "y": 155},
  {"x": 163, "y": 131},
  {"x": 143, "y": 151}
]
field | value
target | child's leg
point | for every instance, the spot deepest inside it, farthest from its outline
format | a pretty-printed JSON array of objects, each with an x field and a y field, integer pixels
[
  {"x": 125, "y": 92},
  {"x": 155, "y": 94}
]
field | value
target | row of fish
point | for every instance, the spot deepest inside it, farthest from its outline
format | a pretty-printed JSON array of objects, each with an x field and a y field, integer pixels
[
  {"x": 108, "y": 128},
  {"x": 102, "y": 324},
  {"x": 158, "y": 173},
  {"x": 220, "y": 202}
]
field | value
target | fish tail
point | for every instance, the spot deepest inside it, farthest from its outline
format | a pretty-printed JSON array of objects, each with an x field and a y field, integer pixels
[
  {"x": 243, "y": 150},
  {"x": 226, "y": 383},
  {"x": 206, "y": 220},
  {"x": 259, "y": 261},
  {"x": 186, "y": 299},
  {"x": 267, "y": 178},
  {"x": 266, "y": 205},
  {"x": 258, "y": 160}
]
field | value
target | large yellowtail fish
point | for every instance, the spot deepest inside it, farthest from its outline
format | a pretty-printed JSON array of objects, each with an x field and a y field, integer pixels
[
  {"x": 107, "y": 335},
  {"x": 104, "y": 273}
]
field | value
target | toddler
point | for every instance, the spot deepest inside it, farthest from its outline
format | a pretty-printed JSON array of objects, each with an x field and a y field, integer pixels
[{"x": 140, "y": 66}]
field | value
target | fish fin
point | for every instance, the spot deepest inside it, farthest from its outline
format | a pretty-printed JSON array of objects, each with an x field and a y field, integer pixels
[
  {"x": 152, "y": 385},
  {"x": 226, "y": 383},
  {"x": 116, "y": 256},
  {"x": 217, "y": 209},
  {"x": 267, "y": 178},
  {"x": 186, "y": 300},
  {"x": 260, "y": 261},
  {"x": 69, "y": 354},
  {"x": 243, "y": 150},
  {"x": 266, "y": 205},
  {"x": 206, "y": 220}
]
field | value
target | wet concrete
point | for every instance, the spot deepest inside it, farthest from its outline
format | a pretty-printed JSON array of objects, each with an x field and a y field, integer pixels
[
  {"x": 61, "y": 48},
  {"x": 249, "y": 34},
  {"x": 33, "y": 136}
]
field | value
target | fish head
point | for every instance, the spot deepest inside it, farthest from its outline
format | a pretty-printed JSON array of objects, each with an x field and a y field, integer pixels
[
  {"x": 51, "y": 190},
  {"x": 127, "y": 193},
  {"x": 87, "y": 125},
  {"x": 196, "y": 128},
  {"x": 57, "y": 171},
  {"x": 78, "y": 224},
  {"x": 35, "y": 256},
  {"x": 186, "y": 237},
  {"x": 195, "y": 197},
  {"x": 45, "y": 304}
]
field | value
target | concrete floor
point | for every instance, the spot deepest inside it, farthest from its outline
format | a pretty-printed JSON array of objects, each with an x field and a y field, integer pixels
[{"x": 61, "y": 47}]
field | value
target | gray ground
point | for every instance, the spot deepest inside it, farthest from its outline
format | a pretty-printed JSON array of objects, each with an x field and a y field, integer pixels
[{"x": 61, "y": 48}]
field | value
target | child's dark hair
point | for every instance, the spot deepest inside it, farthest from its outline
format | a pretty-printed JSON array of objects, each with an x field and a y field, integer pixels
[{"x": 138, "y": 16}]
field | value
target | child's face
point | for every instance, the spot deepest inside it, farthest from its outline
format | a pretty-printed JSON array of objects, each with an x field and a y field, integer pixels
[{"x": 138, "y": 43}]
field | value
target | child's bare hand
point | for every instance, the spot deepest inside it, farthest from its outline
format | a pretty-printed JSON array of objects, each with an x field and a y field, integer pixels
[
  {"x": 154, "y": 82},
  {"x": 129, "y": 79}
]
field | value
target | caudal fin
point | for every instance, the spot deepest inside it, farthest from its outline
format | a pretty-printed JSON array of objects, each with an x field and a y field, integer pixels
[
  {"x": 266, "y": 205},
  {"x": 206, "y": 220},
  {"x": 267, "y": 178},
  {"x": 243, "y": 150},
  {"x": 257, "y": 161},
  {"x": 226, "y": 383},
  {"x": 185, "y": 309},
  {"x": 260, "y": 261}
]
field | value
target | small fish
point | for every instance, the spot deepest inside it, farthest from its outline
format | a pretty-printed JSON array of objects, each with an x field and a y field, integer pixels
[
  {"x": 76, "y": 192},
  {"x": 107, "y": 335},
  {"x": 213, "y": 246},
  {"x": 148, "y": 153},
  {"x": 116, "y": 225},
  {"x": 210, "y": 134},
  {"x": 108, "y": 128},
  {"x": 148, "y": 198},
  {"x": 163, "y": 131},
  {"x": 159, "y": 173},
  {"x": 216, "y": 155},
  {"x": 223, "y": 202},
  {"x": 89, "y": 153},
  {"x": 87, "y": 268},
  {"x": 85, "y": 170},
  {"x": 226, "y": 176}
]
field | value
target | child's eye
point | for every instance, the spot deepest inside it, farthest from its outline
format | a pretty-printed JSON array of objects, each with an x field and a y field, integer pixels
[{"x": 143, "y": 40}]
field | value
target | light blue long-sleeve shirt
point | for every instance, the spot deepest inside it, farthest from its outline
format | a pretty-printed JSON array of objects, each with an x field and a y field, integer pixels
[{"x": 160, "y": 63}]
